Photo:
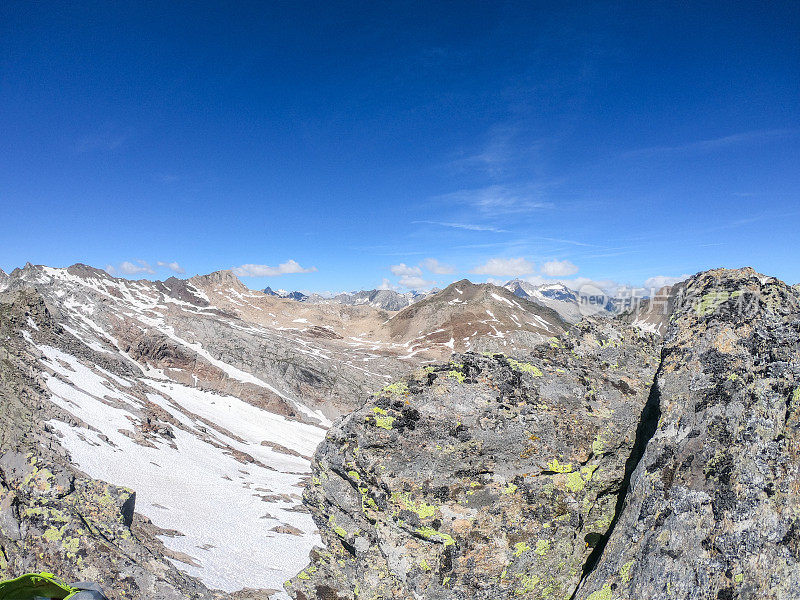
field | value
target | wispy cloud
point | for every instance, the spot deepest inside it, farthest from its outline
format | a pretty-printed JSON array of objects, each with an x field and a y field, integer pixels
[
  {"x": 415, "y": 282},
  {"x": 107, "y": 138},
  {"x": 410, "y": 277},
  {"x": 660, "y": 281},
  {"x": 387, "y": 285},
  {"x": 710, "y": 145},
  {"x": 495, "y": 154},
  {"x": 403, "y": 270},
  {"x": 289, "y": 267},
  {"x": 497, "y": 199},
  {"x": 467, "y": 226}
]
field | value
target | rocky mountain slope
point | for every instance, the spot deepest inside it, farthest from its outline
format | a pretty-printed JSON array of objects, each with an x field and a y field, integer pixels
[
  {"x": 383, "y": 299},
  {"x": 467, "y": 316},
  {"x": 570, "y": 304},
  {"x": 611, "y": 464},
  {"x": 165, "y": 402},
  {"x": 53, "y": 517}
]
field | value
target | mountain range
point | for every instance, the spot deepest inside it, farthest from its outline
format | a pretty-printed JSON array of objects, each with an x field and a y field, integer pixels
[
  {"x": 204, "y": 397},
  {"x": 195, "y": 438},
  {"x": 570, "y": 304}
]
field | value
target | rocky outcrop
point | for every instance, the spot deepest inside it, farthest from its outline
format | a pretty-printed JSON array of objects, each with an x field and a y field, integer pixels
[
  {"x": 614, "y": 464},
  {"x": 486, "y": 477},
  {"x": 713, "y": 509},
  {"x": 52, "y": 517}
]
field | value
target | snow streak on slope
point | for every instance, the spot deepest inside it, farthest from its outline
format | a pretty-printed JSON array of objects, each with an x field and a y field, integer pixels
[{"x": 225, "y": 510}]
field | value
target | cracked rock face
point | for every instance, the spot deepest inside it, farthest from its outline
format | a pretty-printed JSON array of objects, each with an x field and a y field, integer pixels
[
  {"x": 612, "y": 465},
  {"x": 487, "y": 477},
  {"x": 713, "y": 509}
]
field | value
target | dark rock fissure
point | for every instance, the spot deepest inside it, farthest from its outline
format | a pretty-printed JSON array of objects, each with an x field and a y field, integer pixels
[{"x": 648, "y": 423}]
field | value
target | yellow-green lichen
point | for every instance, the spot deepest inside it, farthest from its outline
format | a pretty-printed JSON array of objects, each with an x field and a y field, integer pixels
[
  {"x": 509, "y": 489},
  {"x": 384, "y": 422},
  {"x": 603, "y": 593},
  {"x": 525, "y": 367},
  {"x": 599, "y": 443},
  {"x": 429, "y": 533},
  {"x": 457, "y": 375},
  {"x": 340, "y": 531},
  {"x": 557, "y": 467},
  {"x": 711, "y": 301},
  {"x": 575, "y": 482},
  {"x": 399, "y": 388},
  {"x": 625, "y": 571},
  {"x": 422, "y": 508},
  {"x": 521, "y": 548},
  {"x": 542, "y": 547},
  {"x": 52, "y": 534},
  {"x": 528, "y": 583}
]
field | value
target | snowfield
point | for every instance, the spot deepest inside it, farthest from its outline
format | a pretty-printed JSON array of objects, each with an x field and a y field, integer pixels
[{"x": 225, "y": 510}]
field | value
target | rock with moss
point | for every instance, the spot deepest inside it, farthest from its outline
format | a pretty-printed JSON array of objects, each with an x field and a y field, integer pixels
[
  {"x": 54, "y": 518},
  {"x": 488, "y": 477},
  {"x": 713, "y": 509}
]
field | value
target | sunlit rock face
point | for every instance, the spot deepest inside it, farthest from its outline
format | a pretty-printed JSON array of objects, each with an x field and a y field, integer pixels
[
  {"x": 713, "y": 506},
  {"x": 613, "y": 463},
  {"x": 485, "y": 477}
]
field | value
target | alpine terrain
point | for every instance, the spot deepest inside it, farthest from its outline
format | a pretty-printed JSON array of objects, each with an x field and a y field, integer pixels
[
  {"x": 198, "y": 439},
  {"x": 159, "y": 431}
]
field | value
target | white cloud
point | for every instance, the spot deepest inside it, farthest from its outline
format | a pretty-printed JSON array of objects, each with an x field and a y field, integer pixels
[
  {"x": 403, "y": 270},
  {"x": 434, "y": 266},
  {"x": 172, "y": 266},
  {"x": 131, "y": 269},
  {"x": 559, "y": 268},
  {"x": 415, "y": 282},
  {"x": 660, "y": 281},
  {"x": 110, "y": 269},
  {"x": 505, "y": 267},
  {"x": 387, "y": 285},
  {"x": 290, "y": 266},
  {"x": 467, "y": 226},
  {"x": 498, "y": 199}
]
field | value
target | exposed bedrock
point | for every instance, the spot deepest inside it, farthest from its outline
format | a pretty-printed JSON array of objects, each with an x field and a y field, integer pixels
[
  {"x": 486, "y": 477},
  {"x": 607, "y": 464}
]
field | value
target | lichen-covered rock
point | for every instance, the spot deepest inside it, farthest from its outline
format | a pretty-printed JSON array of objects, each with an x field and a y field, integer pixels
[
  {"x": 713, "y": 509},
  {"x": 487, "y": 477},
  {"x": 54, "y": 518}
]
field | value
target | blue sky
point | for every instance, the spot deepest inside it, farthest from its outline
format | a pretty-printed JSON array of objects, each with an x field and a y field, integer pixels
[{"x": 333, "y": 145}]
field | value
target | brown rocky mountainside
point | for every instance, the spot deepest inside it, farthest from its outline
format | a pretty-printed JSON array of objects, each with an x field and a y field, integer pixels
[{"x": 468, "y": 316}]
